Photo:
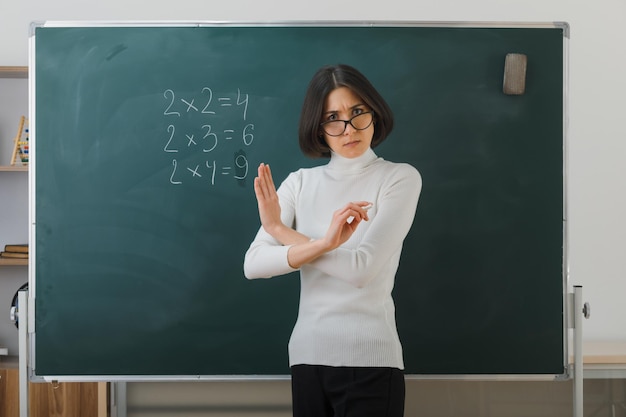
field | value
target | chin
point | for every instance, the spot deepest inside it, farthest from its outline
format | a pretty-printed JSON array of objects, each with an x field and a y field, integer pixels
[{"x": 352, "y": 153}]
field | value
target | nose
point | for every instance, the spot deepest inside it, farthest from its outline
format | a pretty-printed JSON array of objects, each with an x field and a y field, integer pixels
[{"x": 349, "y": 128}]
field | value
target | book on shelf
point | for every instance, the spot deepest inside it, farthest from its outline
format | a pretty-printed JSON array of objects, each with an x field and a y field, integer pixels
[
  {"x": 14, "y": 255},
  {"x": 19, "y": 248},
  {"x": 15, "y": 251}
]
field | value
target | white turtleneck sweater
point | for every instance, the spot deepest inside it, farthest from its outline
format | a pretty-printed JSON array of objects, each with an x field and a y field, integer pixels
[{"x": 346, "y": 315}]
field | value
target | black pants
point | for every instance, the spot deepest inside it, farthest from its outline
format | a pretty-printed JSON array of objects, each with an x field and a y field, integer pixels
[{"x": 324, "y": 391}]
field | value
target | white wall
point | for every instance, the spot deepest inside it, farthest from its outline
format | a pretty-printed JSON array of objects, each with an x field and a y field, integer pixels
[{"x": 597, "y": 136}]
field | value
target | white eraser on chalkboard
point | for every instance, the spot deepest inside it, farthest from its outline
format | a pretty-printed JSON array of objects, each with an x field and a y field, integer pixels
[{"x": 514, "y": 74}]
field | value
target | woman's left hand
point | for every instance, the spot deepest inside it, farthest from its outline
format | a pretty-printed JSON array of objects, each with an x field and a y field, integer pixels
[{"x": 345, "y": 222}]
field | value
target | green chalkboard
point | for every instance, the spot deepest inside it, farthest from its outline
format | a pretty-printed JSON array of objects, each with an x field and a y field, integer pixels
[{"x": 145, "y": 145}]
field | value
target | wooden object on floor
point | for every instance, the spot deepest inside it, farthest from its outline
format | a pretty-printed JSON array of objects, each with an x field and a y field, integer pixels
[
  {"x": 9, "y": 388},
  {"x": 65, "y": 399}
]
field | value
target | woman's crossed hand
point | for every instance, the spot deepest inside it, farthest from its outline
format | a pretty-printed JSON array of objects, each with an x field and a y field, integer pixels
[{"x": 342, "y": 226}]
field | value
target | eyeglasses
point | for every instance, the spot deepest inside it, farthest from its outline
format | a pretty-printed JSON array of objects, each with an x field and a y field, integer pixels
[{"x": 359, "y": 122}]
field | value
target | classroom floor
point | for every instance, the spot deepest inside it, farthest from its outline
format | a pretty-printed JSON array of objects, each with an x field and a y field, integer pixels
[{"x": 602, "y": 398}]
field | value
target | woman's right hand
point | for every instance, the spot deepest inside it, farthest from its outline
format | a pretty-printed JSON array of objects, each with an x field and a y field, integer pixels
[{"x": 267, "y": 199}]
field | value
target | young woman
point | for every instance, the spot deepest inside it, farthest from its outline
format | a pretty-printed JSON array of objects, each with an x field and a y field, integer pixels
[{"x": 342, "y": 225}]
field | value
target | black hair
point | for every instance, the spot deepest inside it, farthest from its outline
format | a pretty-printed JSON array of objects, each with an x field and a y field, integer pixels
[{"x": 325, "y": 80}]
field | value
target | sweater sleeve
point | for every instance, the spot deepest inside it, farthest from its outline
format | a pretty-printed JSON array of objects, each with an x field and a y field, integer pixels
[
  {"x": 266, "y": 257},
  {"x": 396, "y": 208}
]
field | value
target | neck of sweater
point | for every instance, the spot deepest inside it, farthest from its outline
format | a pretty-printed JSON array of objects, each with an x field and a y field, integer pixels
[{"x": 344, "y": 165}]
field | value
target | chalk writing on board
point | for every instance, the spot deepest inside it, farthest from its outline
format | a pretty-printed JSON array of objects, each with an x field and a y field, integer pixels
[{"x": 206, "y": 135}]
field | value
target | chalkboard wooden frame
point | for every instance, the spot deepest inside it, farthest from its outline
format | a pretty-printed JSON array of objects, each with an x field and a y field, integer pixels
[{"x": 57, "y": 291}]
